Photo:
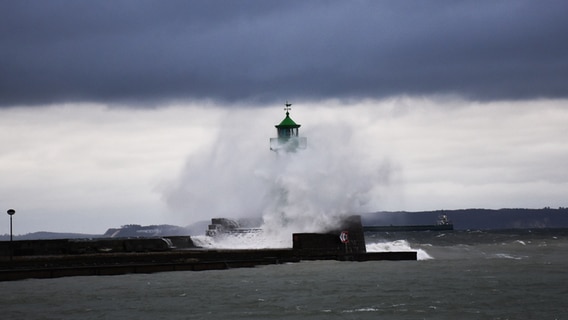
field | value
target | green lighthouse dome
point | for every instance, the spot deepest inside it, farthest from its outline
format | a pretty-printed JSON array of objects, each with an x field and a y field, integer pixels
[{"x": 288, "y": 134}]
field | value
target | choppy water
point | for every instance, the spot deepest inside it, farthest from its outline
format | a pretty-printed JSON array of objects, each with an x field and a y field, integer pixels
[{"x": 471, "y": 275}]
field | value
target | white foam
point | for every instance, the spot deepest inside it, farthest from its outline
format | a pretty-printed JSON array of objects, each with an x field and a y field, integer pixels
[
  {"x": 509, "y": 256},
  {"x": 398, "y": 245},
  {"x": 251, "y": 240},
  {"x": 369, "y": 309},
  {"x": 423, "y": 255},
  {"x": 264, "y": 240}
]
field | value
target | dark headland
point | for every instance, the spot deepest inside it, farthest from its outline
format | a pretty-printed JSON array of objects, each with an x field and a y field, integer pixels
[{"x": 476, "y": 219}]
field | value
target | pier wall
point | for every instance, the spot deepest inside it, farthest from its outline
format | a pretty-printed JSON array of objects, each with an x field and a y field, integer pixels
[
  {"x": 70, "y": 257},
  {"x": 82, "y": 246}
]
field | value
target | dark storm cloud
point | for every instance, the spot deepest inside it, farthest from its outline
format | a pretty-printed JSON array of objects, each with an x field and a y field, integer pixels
[{"x": 146, "y": 52}]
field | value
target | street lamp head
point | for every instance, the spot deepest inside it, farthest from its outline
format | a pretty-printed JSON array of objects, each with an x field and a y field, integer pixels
[{"x": 11, "y": 212}]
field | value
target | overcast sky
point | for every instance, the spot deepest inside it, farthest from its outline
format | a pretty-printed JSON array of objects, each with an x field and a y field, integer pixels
[
  {"x": 116, "y": 112},
  {"x": 147, "y": 52}
]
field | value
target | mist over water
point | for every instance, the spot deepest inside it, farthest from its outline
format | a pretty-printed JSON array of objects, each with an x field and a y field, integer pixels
[
  {"x": 305, "y": 191},
  {"x": 311, "y": 190},
  {"x": 393, "y": 155}
]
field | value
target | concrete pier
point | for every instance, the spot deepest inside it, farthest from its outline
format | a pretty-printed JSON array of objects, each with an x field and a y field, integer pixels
[
  {"x": 23, "y": 267},
  {"x": 103, "y": 256}
]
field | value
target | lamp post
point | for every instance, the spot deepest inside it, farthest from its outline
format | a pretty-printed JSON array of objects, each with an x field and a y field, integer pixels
[{"x": 11, "y": 212}]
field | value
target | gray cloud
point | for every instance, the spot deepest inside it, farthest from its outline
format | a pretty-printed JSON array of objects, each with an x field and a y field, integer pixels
[{"x": 146, "y": 52}]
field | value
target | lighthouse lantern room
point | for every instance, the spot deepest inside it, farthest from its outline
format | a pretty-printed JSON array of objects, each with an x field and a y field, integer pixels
[{"x": 288, "y": 139}]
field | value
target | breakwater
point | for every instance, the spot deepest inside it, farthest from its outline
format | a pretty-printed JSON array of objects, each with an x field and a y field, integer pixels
[
  {"x": 104, "y": 256},
  {"x": 175, "y": 260}
]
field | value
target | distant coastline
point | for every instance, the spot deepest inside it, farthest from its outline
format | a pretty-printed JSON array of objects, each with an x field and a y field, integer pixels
[
  {"x": 477, "y": 219},
  {"x": 462, "y": 219}
]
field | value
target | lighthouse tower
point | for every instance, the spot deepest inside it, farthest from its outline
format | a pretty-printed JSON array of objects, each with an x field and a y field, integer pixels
[{"x": 288, "y": 139}]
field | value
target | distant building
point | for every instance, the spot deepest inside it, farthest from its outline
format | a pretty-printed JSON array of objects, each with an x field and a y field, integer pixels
[{"x": 288, "y": 139}]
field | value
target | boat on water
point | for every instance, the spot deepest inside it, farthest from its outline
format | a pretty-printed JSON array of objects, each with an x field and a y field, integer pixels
[{"x": 443, "y": 224}]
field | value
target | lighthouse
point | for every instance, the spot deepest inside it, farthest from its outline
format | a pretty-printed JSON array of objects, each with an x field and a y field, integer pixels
[{"x": 288, "y": 139}]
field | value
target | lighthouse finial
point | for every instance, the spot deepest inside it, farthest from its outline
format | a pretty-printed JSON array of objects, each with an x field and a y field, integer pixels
[{"x": 287, "y": 108}]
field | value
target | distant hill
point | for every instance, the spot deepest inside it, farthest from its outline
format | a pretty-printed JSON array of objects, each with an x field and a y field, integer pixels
[
  {"x": 463, "y": 219},
  {"x": 127, "y": 231},
  {"x": 49, "y": 236},
  {"x": 482, "y": 219}
]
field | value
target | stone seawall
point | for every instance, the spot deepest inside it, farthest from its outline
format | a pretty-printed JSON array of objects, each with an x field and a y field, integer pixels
[
  {"x": 24, "y": 267},
  {"x": 62, "y": 258},
  {"x": 96, "y": 245}
]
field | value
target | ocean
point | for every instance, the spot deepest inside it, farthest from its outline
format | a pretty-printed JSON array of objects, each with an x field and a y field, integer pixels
[{"x": 506, "y": 274}]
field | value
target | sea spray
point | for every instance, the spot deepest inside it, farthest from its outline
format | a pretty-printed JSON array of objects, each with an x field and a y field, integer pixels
[
  {"x": 313, "y": 190},
  {"x": 304, "y": 191}
]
